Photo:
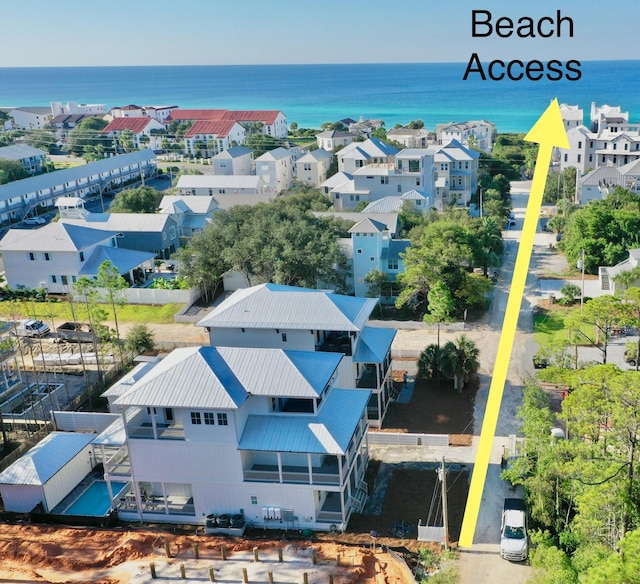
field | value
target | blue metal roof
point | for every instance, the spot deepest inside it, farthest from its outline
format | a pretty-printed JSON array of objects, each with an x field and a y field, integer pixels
[
  {"x": 123, "y": 259},
  {"x": 327, "y": 433},
  {"x": 373, "y": 345}
]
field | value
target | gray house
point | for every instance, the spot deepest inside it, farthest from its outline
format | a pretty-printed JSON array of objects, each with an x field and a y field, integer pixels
[{"x": 156, "y": 233}]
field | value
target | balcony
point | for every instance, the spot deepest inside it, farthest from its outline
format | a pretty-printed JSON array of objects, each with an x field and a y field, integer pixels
[
  {"x": 162, "y": 432},
  {"x": 336, "y": 342},
  {"x": 119, "y": 465},
  {"x": 331, "y": 511},
  {"x": 326, "y": 474}
]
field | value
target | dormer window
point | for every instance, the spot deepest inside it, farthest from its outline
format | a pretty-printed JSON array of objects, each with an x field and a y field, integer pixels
[{"x": 82, "y": 256}]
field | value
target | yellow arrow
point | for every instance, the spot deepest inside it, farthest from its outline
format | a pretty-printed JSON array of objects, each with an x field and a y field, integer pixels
[{"x": 548, "y": 132}]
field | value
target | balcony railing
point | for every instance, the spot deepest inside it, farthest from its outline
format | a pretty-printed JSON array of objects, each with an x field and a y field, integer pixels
[
  {"x": 329, "y": 517},
  {"x": 163, "y": 432},
  {"x": 298, "y": 476}
]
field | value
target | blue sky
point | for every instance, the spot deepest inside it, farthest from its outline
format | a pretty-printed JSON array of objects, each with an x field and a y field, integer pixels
[{"x": 202, "y": 32}]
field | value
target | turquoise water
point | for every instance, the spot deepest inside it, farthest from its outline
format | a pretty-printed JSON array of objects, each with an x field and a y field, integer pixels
[
  {"x": 313, "y": 94},
  {"x": 95, "y": 502}
]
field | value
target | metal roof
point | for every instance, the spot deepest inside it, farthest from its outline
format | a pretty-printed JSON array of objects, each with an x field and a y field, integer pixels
[
  {"x": 280, "y": 373},
  {"x": 233, "y": 152},
  {"x": 368, "y": 225},
  {"x": 396, "y": 247},
  {"x": 224, "y": 377},
  {"x": 46, "y": 458},
  {"x": 389, "y": 219},
  {"x": 123, "y": 259},
  {"x": 289, "y": 307},
  {"x": 315, "y": 156},
  {"x": 60, "y": 177},
  {"x": 19, "y": 152},
  {"x": 373, "y": 345},
  {"x": 56, "y": 236},
  {"x": 275, "y": 154},
  {"x": 371, "y": 147},
  {"x": 327, "y": 433},
  {"x": 136, "y": 222},
  {"x": 200, "y": 205},
  {"x": 115, "y": 434},
  {"x": 126, "y": 382}
]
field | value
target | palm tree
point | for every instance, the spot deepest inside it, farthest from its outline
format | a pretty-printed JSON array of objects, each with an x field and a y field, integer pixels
[
  {"x": 460, "y": 361},
  {"x": 429, "y": 363}
]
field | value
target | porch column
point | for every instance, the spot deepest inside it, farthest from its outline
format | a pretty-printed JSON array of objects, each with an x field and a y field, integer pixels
[
  {"x": 342, "y": 505},
  {"x": 133, "y": 282},
  {"x": 153, "y": 423},
  {"x": 165, "y": 500},
  {"x": 340, "y": 471},
  {"x": 279, "y": 467},
  {"x": 310, "y": 467}
]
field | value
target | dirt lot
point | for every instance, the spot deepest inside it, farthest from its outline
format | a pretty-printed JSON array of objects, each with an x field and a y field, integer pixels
[{"x": 52, "y": 554}]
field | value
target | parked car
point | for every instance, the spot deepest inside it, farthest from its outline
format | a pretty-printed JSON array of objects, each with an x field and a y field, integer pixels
[{"x": 35, "y": 221}]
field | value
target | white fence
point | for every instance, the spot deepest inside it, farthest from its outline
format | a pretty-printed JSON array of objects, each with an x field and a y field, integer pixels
[
  {"x": 406, "y": 439},
  {"x": 154, "y": 295},
  {"x": 83, "y": 421}
]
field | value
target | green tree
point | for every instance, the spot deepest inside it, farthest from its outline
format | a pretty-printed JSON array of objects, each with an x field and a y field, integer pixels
[
  {"x": 625, "y": 280},
  {"x": 11, "y": 170},
  {"x": 43, "y": 139},
  {"x": 125, "y": 140},
  {"x": 113, "y": 284},
  {"x": 570, "y": 292},
  {"x": 376, "y": 281},
  {"x": 460, "y": 361},
  {"x": 440, "y": 305},
  {"x": 261, "y": 143},
  {"x": 139, "y": 339},
  {"x": 88, "y": 134},
  {"x": 621, "y": 567},
  {"x": 416, "y": 125},
  {"x": 139, "y": 200},
  {"x": 430, "y": 363}
]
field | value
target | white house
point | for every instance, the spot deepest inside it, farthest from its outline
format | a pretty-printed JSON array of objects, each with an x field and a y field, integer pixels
[
  {"x": 236, "y": 160},
  {"x": 332, "y": 139},
  {"x": 141, "y": 129},
  {"x": 412, "y": 137},
  {"x": 313, "y": 167},
  {"x": 607, "y": 116},
  {"x": 360, "y": 154},
  {"x": 608, "y": 274},
  {"x": 288, "y": 317},
  {"x": 208, "y": 138},
  {"x": 260, "y": 435},
  {"x": 73, "y": 108},
  {"x": 56, "y": 255},
  {"x": 456, "y": 173},
  {"x": 477, "y": 133},
  {"x": 30, "y": 118},
  {"x": 213, "y": 185},
  {"x": 32, "y": 159},
  {"x": 277, "y": 168},
  {"x": 572, "y": 116}
]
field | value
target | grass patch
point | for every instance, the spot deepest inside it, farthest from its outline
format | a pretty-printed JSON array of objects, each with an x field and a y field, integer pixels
[
  {"x": 61, "y": 311},
  {"x": 549, "y": 326}
]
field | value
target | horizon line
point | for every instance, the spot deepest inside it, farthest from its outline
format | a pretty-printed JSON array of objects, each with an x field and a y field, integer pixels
[{"x": 276, "y": 64}]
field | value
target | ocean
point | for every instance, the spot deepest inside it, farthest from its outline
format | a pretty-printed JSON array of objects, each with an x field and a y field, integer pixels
[{"x": 313, "y": 94}]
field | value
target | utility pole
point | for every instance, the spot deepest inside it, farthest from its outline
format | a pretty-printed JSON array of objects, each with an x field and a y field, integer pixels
[{"x": 442, "y": 472}]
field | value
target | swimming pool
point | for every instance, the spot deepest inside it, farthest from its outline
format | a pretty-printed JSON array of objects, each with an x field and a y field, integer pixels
[{"x": 94, "y": 500}]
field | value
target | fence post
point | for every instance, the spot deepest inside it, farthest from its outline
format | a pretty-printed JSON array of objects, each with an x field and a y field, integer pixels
[
  {"x": 212, "y": 576},
  {"x": 183, "y": 574},
  {"x": 167, "y": 549},
  {"x": 245, "y": 576},
  {"x": 196, "y": 550},
  {"x": 223, "y": 549},
  {"x": 152, "y": 567},
  {"x": 255, "y": 555}
]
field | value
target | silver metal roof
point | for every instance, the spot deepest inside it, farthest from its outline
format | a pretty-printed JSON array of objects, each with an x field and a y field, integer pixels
[
  {"x": 327, "y": 433},
  {"x": 57, "y": 236},
  {"x": 19, "y": 152},
  {"x": 46, "y": 458},
  {"x": 289, "y": 307},
  {"x": 60, "y": 177},
  {"x": 224, "y": 377}
]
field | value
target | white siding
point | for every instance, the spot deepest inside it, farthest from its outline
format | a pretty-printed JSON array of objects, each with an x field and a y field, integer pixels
[{"x": 63, "y": 482}]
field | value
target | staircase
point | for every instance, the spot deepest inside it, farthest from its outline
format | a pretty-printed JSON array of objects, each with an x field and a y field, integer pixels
[{"x": 359, "y": 498}]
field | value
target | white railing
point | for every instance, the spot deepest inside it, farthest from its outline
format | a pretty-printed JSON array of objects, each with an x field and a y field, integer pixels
[{"x": 406, "y": 439}]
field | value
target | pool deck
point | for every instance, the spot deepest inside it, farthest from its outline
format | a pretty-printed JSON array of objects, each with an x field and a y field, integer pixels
[{"x": 71, "y": 498}]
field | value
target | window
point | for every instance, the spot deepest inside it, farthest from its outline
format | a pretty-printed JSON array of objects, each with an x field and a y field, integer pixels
[
  {"x": 222, "y": 191},
  {"x": 392, "y": 264},
  {"x": 32, "y": 256},
  {"x": 384, "y": 180},
  {"x": 399, "y": 188},
  {"x": 168, "y": 414},
  {"x": 209, "y": 419},
  {"x": 615, "y": 146},
  {"x": 211, "y": 192},
  {"x": 591, "y": 144},
  {"x": 172, "y": 232},
  {"x": 579, "y": 145},
  {"x": 196, "y": 418},
  {"x": 222, "y": 419},
  {"x": 54, "y": 280},
  {"x": 73, "y": 279},
  {"x": 590, "y": 157},
  {"x": 417, "y": 182},
  {"x": 579, "y": 157},
  {"x": 359, "y": 251},
  {"x": 65, "y": 280},
  {"x": 414, "y": 166},
  {"x": 566, "y": 156},
  {"x": 284, "y": 337},
  {"x": 306, "y": 166},
  {"x": 372, "y": 259},
  {"x": 82, "y": 256},
  {"x": 254, "y": 500},
  {"x": 359, "y": 163},
  {"x": 46, "y": 256}
]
